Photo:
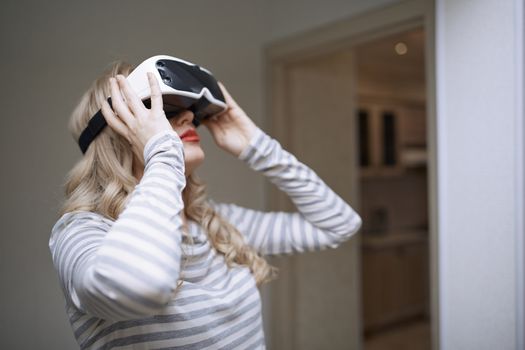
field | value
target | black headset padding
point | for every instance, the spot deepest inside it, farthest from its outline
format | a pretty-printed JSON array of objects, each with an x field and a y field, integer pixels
[{"x": 190, "y": 73}]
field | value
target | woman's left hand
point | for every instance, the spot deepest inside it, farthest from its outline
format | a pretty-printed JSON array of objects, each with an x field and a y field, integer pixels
[{"x": 232, "y": 129}]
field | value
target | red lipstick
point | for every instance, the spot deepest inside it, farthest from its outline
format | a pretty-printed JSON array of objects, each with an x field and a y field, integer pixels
[{"x": 190, "y": 135}]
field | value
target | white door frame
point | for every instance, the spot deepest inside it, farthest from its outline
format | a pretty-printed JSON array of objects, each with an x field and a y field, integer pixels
[{"x": 343, "y": 34}]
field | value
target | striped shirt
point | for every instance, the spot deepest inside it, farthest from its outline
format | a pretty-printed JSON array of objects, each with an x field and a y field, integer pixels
[{"x": 118, "y": 277}]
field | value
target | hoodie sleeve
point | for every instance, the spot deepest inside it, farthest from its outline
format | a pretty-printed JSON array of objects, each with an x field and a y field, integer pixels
[
  {"x": 324, "y": 219},
  {"x": 127, "y": 268}
]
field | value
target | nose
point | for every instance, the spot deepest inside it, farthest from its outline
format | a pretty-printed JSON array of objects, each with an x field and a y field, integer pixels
[{"x": 184, "y": 117}]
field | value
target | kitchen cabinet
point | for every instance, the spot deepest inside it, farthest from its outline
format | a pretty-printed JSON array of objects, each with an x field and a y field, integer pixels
[
  {"x": 392, "y": 137},
  {"x": 394, "y": 278}
]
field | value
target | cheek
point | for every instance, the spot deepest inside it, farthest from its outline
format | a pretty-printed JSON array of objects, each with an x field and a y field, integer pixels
[
  {"x": 177, "y": 131},
  {"x": 173, "y": 125}
]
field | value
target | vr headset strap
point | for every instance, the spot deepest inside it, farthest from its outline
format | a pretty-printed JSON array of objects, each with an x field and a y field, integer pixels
[{"x": 95, "y": 125}]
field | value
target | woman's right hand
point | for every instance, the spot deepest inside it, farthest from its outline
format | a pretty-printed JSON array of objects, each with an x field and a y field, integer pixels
[{"x": 130, "y": 118}]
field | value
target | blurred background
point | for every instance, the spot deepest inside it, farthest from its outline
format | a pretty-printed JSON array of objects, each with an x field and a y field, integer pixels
[{"x": 411, "y": 110}]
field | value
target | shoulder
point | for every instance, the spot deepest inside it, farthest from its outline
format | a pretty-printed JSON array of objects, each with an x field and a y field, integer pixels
[
  {"x": 71, "y": 221},
  {"x": 79, "y": 216}
]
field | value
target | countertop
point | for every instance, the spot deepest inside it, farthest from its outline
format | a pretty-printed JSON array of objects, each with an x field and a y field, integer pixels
[{"x": 393, "y": 238}]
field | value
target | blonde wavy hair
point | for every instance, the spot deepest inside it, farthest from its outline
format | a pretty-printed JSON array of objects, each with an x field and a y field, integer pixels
[{"x": 102, "y": 181}]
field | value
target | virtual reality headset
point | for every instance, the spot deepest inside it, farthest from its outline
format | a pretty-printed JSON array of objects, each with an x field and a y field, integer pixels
[{"x": 183, "y": 85}]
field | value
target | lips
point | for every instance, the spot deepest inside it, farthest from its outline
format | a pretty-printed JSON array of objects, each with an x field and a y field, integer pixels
[{"x": 190, "y": 135}]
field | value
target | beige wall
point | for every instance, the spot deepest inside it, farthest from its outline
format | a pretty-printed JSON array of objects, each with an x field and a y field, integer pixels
[{"x": 51, "y": 51}]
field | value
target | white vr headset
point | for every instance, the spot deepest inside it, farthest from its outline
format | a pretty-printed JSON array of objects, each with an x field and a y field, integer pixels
[{"x": 183, "y": 85}]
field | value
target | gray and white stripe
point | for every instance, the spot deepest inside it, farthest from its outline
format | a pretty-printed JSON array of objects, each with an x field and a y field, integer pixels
[
  {"x": 324, "y": 219},
  {"x": 118, "y": 277}
]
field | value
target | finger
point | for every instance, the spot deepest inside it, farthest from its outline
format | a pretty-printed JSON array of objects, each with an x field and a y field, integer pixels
[
  {"x": 156, "y": 96},
  {"x": 119, "y": 105},
  {"x": 209, "y": 125},
  {"x": 227, "y": 96},
  {"x": 133, "y": 101},
  {"x": 213, "y": 124},
  {"x": 113, "y": 121},
  {"x": 207, "y": 122}
]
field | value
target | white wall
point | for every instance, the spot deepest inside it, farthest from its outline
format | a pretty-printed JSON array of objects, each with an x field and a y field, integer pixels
[
  {"x": 290, "y": 17},
  {"x": 51, "y": 51},
  {"x": 480, "y": 181}
]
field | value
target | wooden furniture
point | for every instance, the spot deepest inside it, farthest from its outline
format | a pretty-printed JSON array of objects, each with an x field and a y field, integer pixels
[
  {"x": 392, "y": 137},
  {"x": 394, "y": 269},
  {"x": 395, "y": 278}
]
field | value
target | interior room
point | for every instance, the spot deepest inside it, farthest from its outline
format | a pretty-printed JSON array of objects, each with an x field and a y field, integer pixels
[
  {"x": 385, "y": 144},
  {"x": 411, "y": 111},
  {"x": 394, "y": 192}
]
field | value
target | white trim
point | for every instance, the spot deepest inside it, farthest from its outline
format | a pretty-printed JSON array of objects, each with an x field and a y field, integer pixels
[
  {"x": 520, "y": 173},
  {"x": 441, "y": 164}
]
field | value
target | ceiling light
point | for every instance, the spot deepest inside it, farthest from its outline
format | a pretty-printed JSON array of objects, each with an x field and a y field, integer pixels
[{"x": 401, "y": 48}]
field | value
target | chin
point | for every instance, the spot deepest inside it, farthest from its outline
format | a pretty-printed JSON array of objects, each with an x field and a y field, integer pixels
[{"x": 193, "y": 158}]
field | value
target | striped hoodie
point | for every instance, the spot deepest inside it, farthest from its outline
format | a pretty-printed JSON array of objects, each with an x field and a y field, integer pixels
[{"x": 119, "y": 276}]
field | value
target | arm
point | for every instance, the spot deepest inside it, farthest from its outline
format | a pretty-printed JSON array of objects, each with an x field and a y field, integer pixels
[
  {"x": 324, "y": 219},
  {"x": 130, "y": 269}
]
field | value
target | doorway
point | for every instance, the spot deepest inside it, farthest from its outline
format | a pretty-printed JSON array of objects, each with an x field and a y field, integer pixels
[
  {"x": 393, "y": 185},
  {"x": 315, "y": 86}
]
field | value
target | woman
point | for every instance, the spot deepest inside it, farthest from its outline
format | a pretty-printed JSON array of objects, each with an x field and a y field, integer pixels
[{"x": 145, "y": 259}]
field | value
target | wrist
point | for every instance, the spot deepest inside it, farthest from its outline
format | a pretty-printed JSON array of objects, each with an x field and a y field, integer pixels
[{"x": 253, "y": 139}]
